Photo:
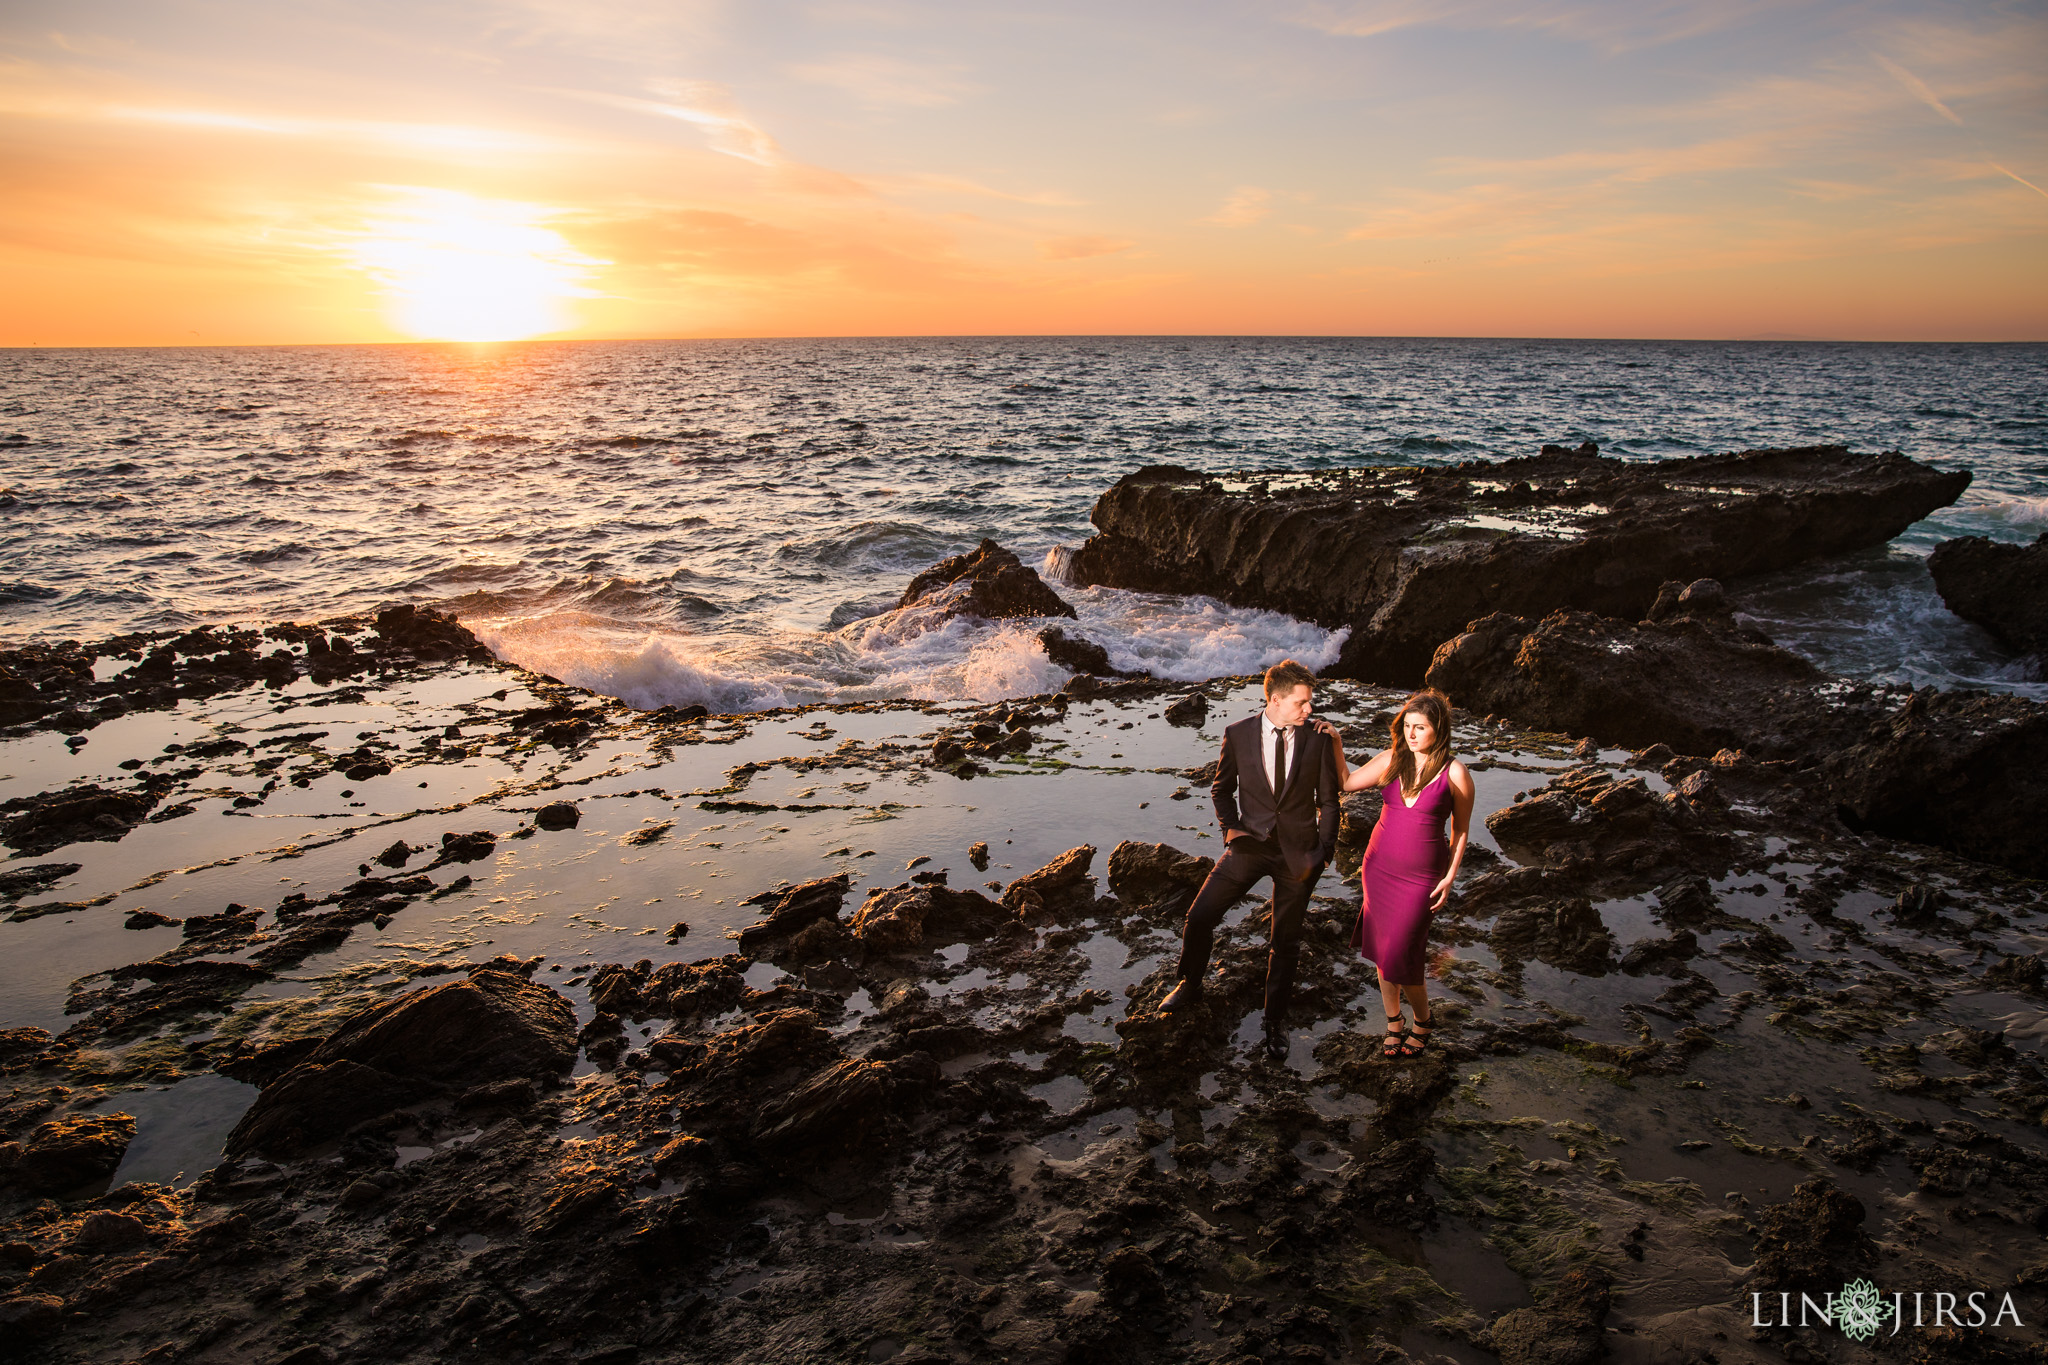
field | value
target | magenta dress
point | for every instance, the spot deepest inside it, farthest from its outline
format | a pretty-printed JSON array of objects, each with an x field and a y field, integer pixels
[{"x": 1405, "y": 859}]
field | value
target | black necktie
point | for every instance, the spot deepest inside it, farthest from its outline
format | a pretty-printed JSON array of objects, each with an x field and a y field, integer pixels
[{"x": 1279, "y": 759}]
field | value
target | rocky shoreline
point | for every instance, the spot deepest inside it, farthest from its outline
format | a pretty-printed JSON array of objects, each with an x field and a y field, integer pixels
[
  {"x": 534, "y": 1028},
  {"x": 1404, "y": 556}
]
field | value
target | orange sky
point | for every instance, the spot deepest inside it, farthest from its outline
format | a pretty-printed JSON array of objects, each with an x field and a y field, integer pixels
[{"x": 223, "y": 172}]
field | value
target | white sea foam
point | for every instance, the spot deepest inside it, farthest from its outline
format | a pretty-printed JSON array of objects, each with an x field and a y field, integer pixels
[
  {"x": 916, "y": 652},
  {"x": 2015, "y": 511},
  {"x": 1189, "y": 639}
]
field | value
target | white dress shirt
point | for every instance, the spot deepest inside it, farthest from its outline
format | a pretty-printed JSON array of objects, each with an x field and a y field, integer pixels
[{"x": 1267, "y": 729}]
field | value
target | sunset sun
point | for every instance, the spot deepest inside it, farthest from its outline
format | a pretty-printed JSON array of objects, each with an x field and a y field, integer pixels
[{"x": 454, "y": 267}]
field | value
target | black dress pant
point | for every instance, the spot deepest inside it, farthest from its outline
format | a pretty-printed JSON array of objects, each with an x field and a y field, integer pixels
[{"x": 1244, "y": 862}]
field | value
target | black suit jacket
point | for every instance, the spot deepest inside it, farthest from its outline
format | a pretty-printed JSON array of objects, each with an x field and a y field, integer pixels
[{"x": 1302, "y": 816}]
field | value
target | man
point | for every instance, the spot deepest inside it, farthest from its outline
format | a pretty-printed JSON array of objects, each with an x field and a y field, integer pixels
[{"x": 1276, "y": 798}]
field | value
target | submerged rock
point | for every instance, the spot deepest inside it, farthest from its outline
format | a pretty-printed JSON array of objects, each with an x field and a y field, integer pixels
[
  {"x": 2003, "y": 588},
  {"x": 988, "y": 581},
  {"x": 1405, "y": 556}
]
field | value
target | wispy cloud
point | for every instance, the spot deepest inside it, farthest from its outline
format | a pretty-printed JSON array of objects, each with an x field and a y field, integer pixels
[
  {"x": 1246, "y": 205},
  {"x": 1612, "y": 27},
  {"x": 2022, "y": 179},
  {"x": 703, "y": 105},
  {"x": 878, "y": 80},
  {"x": 1918, "y": 89}
]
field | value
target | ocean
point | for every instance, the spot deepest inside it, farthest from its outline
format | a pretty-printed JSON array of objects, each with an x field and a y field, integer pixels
[{"x": 727, "y": 522}]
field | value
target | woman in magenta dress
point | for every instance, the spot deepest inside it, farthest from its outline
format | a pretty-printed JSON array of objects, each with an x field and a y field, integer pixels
[{"x": 1409, "y": 865}]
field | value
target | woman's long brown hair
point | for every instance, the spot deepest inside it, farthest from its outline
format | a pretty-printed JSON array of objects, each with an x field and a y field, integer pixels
[{"x": 1436, "y": 709}]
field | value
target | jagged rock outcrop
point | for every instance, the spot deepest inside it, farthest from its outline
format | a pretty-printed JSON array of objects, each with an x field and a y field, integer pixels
[
  {"x": 66, "y": 1152},
  {"x": 58, "y": 687},
  {"x": 988, "y": 581},
  {"x": 1062, "y": 886},
  {"x": 491, "y": 1026},
  {"x": 1145, "y": 875},
  {"x": 2003, "y": 588},
  {"x": 902, "y": 918},
  {"x": 1696, "y": 682},
  {"x": 797, "y": 908},
  {"x": 1963, "y": 771},
  {"x": 1405, "y": 556}
]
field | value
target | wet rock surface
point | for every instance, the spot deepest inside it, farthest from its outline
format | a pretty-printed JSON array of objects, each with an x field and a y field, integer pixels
[
  {"x": 868, "y": 1105},
  {"x": 988, "y": 581},
  {"x": 1407, "y": 556},
  {"x": 1964, "y": 771},
  {"x": 2003, "y": 588}
]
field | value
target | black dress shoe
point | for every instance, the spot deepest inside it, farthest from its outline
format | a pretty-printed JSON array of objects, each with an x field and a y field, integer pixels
[
  {"x": 1186, "y": 995},
  {"x": 1273, "y": 1042}
]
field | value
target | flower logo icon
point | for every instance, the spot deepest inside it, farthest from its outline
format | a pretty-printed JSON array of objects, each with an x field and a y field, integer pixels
[{"x": 1859, "y": 1308}]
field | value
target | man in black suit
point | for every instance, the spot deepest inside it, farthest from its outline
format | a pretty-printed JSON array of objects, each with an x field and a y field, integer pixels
[{"x": 1276, "y": 798}]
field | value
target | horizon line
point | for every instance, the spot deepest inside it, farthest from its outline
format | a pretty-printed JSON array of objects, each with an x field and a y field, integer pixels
[{"x": 1762, "y": 338}]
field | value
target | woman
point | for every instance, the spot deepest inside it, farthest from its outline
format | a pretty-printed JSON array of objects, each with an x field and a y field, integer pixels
[{"x": 1409, "y": 866}]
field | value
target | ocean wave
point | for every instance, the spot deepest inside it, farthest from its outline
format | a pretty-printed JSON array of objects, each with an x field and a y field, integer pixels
[
  {"x": 2014, "y": 511},
  {"x": 21, "y": 590},
  {"x": 652, "y": 670},
  {"x": 291, "y": 549},
  {"x": 872, "y": 544},
  {"x": 1192, "y": 639},
  {"x": 918, "y": 651}
]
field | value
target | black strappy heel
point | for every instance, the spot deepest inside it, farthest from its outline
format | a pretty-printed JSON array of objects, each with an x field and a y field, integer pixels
[
  {"x": 1416, "y": 1040},
  {"x": 1395, "y": 1039}
]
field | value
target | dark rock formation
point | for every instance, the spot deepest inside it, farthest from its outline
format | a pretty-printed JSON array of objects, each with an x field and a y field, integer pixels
[
  {"x": 1566, "y": 933},
  {"x": 988, "y": 581},
  {"x": 1406, "y": 556},
  {"x": 37, "y": 824},
  {"x": 1157, "y": 876},
  {"x": 2003, "y": 588},
  {"x": 1190, "y": 711},
  {"x": 558, "y": 815},
  {"x": 903, "y": 918},
  {"x": 1963, "y": 771},
  {"x": 1812, "y": 1242},
  {"x": 428, "y": 634},
  {"x": 797, "y": 908},
  {"x": 1591, "y": 817},
  {"x": 1695, "y": 682},
  {"x": 55, "y": 686},
  {"x": 1061, "y": 886},
  {"x": 492, "y": 1026},
  {"x": 64, "y": 1153},
  {"x": 1568, "y": 1328},
  {"x": 854, "y": 1108},
  {"x": 1076, "y": 654}
]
